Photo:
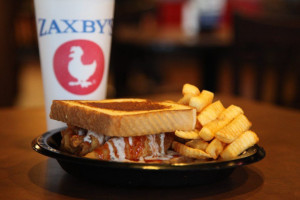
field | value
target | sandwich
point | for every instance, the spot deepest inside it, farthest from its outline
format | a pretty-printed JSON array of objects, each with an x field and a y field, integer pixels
[
  {"x": 194, "y": 129},
  {"x": 122, "y": 129}
]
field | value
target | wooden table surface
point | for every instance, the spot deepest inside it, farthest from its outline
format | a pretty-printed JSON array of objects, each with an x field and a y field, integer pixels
[{"x": 25, "y": 174}]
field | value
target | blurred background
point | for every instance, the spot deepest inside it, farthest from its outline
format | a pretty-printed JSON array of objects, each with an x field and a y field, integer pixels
[{"x": 245, "y": 48}]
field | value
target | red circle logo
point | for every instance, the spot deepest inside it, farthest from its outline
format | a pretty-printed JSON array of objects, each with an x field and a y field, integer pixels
[{"x": 79, "y": 66}]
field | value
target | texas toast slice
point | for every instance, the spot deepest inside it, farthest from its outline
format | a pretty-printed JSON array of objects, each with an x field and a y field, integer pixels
[{"x": 125, "y": 117}]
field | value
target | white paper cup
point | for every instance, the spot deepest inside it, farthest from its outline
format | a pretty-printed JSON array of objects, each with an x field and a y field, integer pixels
[{"x": 74, "y": 43}]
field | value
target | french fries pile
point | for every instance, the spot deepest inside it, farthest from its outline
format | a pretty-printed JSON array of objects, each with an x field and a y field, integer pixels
[{"x": 220, "y": 132}]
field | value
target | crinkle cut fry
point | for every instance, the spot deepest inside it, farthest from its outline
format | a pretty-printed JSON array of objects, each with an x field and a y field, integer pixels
[
  {"x": 188, "y": 134},
  {"x": 201, "y": 101},
  {"x": 214, "y": 148},
  {"x": 208, "y": 131},
  {"x": 197, "y": 144},
  {"x": 234, "y": 129},
  {"x": 190, "y": 89},
  {"x": 210, "y": 113},
  {"x": 189, "y": 152},
  {"x": 243, "y": 142}
]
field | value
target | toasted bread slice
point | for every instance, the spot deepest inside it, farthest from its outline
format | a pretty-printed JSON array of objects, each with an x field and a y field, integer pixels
[{"x": 125, "y": 117}]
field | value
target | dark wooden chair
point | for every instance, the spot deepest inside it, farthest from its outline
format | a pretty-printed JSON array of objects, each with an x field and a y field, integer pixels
[
  {"x": 8, "y": 56},
  {"x": 268, "y": 42}
]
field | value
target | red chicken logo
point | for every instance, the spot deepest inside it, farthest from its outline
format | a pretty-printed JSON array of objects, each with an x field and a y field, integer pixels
[
  {"x": 79, "y": 66},
  {"x": 82, "y": 72}
]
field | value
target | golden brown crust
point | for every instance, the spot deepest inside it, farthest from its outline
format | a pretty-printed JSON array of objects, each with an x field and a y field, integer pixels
[{"x": 124, "y": 123}]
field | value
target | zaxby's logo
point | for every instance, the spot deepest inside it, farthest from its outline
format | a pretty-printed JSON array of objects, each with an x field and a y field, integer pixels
[{"x": 79, "y": 66}]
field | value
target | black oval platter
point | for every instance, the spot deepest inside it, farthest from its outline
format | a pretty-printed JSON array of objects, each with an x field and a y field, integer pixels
[{"x": 147, "y": 174}]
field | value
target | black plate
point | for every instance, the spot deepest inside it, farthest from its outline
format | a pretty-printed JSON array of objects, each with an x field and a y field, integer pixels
[{"x": 121, "y": 173}]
